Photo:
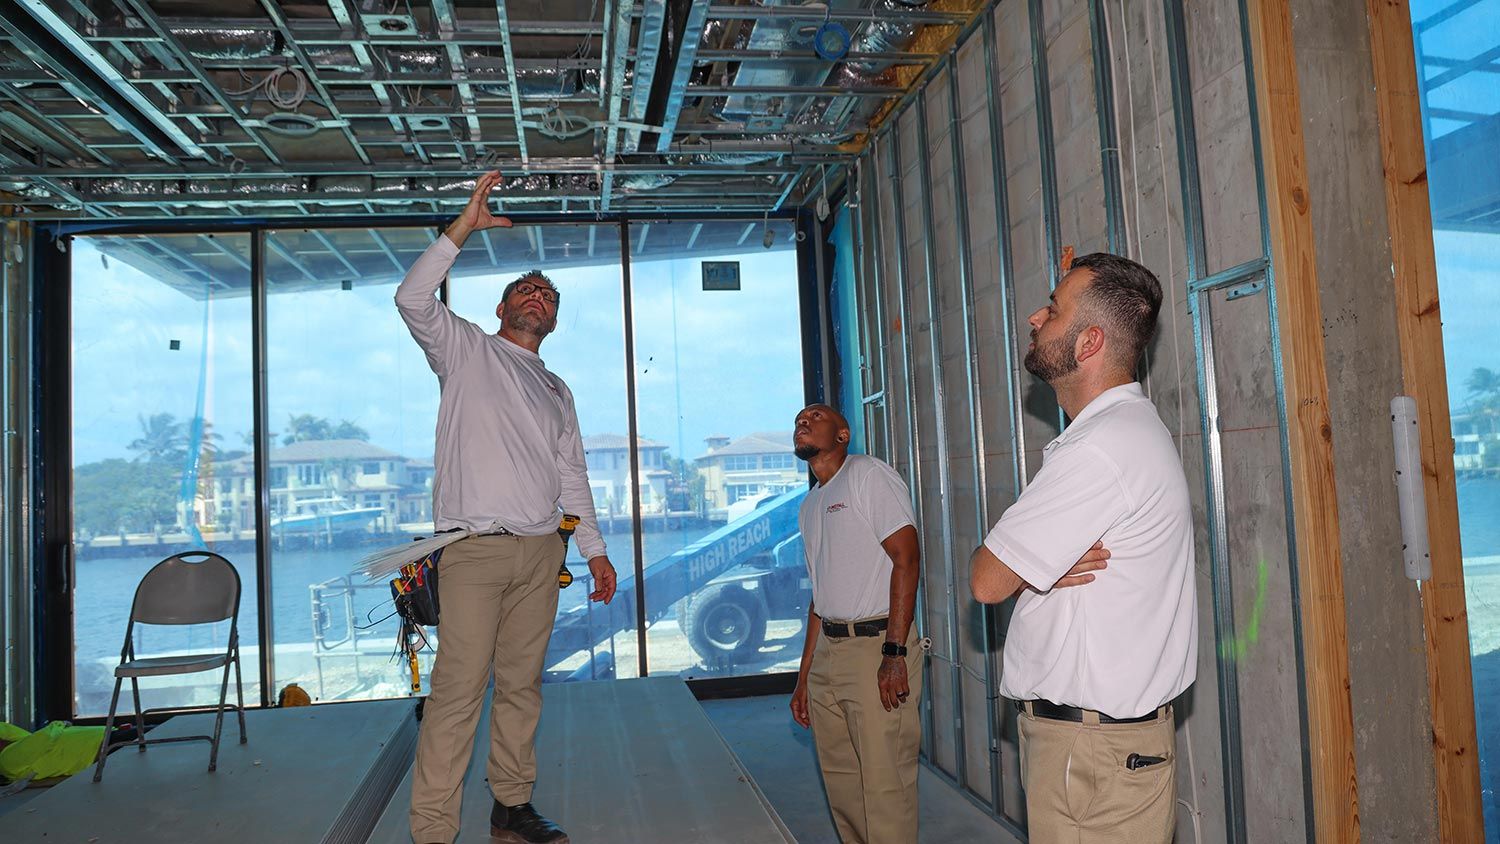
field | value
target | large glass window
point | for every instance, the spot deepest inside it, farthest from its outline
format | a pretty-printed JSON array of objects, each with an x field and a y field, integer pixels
[
  {"x": 590, "y": 640},
  {"x": 718, "y": 383},
  {"x": 1457, "y": 42},
  {"x": 161, "y": 430},
  {"x": 351, "y": 407},
  {"x": 165, "y": 452}
]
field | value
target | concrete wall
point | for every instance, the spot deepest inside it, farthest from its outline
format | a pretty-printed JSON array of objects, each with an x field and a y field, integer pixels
[
  {"x": 971, "y": 255},
  {"x": 954, "y": 278},
  {"x": 1387, "y": 657}
]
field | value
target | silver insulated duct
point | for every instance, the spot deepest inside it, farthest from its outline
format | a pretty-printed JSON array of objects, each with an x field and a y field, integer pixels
[{"x": 882, "y": 34}]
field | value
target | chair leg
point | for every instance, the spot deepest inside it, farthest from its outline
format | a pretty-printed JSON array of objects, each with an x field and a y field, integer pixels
[
  {"x": 239, "y": 693},
  {"x": 109, "y": 728},
  {"x": 213, "y": 755},
  {"x": 140, "y": 718}
]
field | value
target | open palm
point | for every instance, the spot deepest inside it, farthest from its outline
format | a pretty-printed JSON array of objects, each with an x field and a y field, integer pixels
[{"x": 477, "y": 212}]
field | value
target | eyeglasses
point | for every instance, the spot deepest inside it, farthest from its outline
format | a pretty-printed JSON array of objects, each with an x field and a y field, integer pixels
[{"x": 526, "y": 288}]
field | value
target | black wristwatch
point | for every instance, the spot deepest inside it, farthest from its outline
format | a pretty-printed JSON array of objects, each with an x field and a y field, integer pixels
[{"x": 892, "y": 649}]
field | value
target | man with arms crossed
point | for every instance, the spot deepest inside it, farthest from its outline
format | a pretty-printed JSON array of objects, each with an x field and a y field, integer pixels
[
  {"x": 508, "y": 455},
  {"x": 1095, "y": 670},
  {"x": 860, "y": 679}
]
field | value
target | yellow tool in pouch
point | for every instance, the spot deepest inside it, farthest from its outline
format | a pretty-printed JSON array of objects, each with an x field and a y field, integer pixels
[
  {"x": 565, "y": 530},
  {"x": 415, "y": 594}
]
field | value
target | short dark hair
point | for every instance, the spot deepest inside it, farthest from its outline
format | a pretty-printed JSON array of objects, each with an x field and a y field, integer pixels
[
  {"x": 1126, "y": 296},
  {"x": 529, "y": 274}
]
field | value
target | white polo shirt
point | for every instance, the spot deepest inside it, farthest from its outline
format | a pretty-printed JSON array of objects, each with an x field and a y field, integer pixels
[
  {"x": 843, "y": 523},
  {"x": 1128, "y": 642}
]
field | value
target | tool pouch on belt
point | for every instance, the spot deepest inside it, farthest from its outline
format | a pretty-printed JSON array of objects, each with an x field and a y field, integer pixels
[{"x": 416, "y": 590}]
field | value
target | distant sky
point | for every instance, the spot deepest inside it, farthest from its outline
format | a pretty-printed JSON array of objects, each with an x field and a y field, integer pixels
[
  {"x": 1468, "y": 262},
  {"x": 707, "y": 362},
  {"x": 1469, "y": 289}
]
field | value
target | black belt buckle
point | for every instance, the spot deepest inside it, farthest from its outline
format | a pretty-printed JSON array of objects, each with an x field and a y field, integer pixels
[{"x": 1060, "y": 712}]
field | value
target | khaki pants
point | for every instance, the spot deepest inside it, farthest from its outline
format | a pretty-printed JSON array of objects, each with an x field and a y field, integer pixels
[
  {"x": 868, "y": 756},
  {"x": 1079, "y": 791},
  {"x": 498, "y": 597}
]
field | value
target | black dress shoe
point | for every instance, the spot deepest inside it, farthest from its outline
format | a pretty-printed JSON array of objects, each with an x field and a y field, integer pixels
[{"x": 522, "y": 825}]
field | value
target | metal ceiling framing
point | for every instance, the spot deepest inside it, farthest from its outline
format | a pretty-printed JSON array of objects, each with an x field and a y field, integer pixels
[{"x": 149, "y": 109}]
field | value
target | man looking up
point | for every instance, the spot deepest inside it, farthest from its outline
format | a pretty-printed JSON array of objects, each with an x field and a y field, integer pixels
[
  {"x": 509, "y": 461},
  {"x": 860, "y": 682},
  {"x": 1095, "y": 670}
]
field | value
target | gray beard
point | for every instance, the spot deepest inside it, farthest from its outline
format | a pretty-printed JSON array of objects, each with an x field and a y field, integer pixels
[{"x": 526, "y": 322}]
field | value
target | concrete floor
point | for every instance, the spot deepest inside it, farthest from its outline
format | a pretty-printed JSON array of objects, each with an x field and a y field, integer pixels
[
  {"x": 618, "y": 762},
  {"x": 299, "y": 769},
  {"x": 780, "y": 756},
  {"x": 777, "y": 754}
]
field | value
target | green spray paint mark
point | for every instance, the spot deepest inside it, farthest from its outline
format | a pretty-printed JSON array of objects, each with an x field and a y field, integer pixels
[{"x": 1239, "y": 644}]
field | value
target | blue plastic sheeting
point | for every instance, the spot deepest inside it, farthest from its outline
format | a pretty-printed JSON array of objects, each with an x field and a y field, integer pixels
[{"x": 845, "y": 306}]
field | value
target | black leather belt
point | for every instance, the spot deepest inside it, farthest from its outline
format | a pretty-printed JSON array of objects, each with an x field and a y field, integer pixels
[
  {"x": 1058, "y": 712},
  {"x": 844, "y": 629},
  {"x": 499, "y": 531}
]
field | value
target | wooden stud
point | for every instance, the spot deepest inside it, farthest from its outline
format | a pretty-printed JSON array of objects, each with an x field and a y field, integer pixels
[
  {"x": 1309, "y": 431},
  {"x": 1420, "y": 329}
]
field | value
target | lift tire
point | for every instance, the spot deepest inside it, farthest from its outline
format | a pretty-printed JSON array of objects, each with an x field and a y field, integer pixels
[{"x": 725, "y": 623}]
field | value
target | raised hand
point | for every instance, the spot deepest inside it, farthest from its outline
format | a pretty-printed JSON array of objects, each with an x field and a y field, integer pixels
[{"x": 476, "y": 215}]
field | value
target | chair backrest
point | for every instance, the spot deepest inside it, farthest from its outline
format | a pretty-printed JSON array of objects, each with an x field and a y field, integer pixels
[{"x": 176, "y": 591}]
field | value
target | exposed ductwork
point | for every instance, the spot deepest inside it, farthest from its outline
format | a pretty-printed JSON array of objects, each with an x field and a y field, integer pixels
[
  {"x": 373, "y": 71},
  {"x": 881, "y": 35},
  {"x": 240, "y": 44},
  {"x": 232, "y": 44}
]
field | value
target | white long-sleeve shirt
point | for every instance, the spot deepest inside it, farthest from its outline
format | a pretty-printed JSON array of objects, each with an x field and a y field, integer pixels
[{"x": 508, "y": 449}]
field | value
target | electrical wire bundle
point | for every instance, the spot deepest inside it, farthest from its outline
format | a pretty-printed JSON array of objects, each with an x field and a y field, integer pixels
[{"x": 415, "y": 592}]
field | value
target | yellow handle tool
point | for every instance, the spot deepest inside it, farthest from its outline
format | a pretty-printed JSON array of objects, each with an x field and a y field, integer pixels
[{"x": 565, "y": 530}]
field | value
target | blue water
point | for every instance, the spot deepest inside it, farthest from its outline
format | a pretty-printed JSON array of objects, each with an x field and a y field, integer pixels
[
  {"x": 107, "y": 584},
  {"x": 1479, "y": 516}
]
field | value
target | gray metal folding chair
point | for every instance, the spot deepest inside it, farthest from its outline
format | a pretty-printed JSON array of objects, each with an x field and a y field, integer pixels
[{"x": 176, "y": 591}]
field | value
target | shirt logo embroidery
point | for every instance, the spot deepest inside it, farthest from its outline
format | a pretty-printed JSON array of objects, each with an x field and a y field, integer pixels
[{"x": 834, "y": 508}]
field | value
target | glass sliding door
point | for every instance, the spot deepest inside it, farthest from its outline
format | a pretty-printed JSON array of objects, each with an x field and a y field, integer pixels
[
  {"x": 351, "y": 408},
  {"x": 164, "y": 447},
  {"x": 161, "y": 390},
  {"x": 719, "y": 380},
  {"x": 1456, "y": 45},
  {"x": 587, "y": 350}
]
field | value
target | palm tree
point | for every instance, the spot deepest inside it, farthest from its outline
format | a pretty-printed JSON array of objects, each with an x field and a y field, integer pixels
[
  {"x": 1483, "y": 383},
  {"x": 304, "y": 427},
  {"x": 347, "y": 430},
  {"x": 210, "y": 445},
  {"x": 162, "y": 439}
]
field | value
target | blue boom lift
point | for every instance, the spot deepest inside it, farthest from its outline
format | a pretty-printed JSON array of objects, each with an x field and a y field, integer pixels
[{"x": 728, "y": 582}]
